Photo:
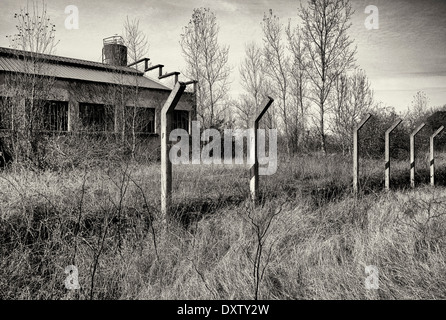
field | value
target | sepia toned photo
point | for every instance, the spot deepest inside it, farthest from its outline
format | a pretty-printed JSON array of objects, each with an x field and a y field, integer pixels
[{"x": 233, "y": 152}]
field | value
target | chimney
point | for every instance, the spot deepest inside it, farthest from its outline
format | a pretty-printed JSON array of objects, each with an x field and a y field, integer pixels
[{"x": 114, "y": 52}]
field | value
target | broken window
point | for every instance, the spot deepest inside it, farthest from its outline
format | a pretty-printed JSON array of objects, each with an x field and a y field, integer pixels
[
  {"x": 55, "y": 116},
  {"x": 47, "y": 115},
  {"x": 181, "y": 119},
  {"x": 96, "y": 117},
  {"x": 140, "y": 118}
]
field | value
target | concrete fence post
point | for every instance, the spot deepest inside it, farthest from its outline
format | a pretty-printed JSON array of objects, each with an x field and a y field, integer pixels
[
  {"x": 166, "y": 128},
  {"x": 412, "y": 154},
  {"x": 431, "y": 155},
  {"x": 387, "y": 153},
  {"x": 254, "y": 171},
  {"x": 355, "y": 152}
]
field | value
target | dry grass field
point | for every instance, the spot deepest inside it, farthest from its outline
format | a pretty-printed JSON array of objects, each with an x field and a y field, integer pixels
[{"x": 308, "y": 238}]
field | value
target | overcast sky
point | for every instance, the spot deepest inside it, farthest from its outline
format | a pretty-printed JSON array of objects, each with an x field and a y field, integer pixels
[{"x": 405, "y": 55}]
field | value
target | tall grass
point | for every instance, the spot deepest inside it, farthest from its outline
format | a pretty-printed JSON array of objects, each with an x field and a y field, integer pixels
[{"x": 314, "y": 238}]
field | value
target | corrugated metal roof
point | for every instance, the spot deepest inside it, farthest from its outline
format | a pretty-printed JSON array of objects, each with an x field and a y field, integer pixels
[
  {"x": 64, "y": 60},
  {"x": 68, "y": 68}
]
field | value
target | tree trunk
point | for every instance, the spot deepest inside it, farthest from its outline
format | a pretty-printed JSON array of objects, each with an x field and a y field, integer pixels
[
  {"x": 323, "y": 138},
  {"x": 322, "y": 130}
]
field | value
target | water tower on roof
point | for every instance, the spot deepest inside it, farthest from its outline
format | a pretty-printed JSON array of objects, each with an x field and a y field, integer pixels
[{"x": 114, "y": 52}]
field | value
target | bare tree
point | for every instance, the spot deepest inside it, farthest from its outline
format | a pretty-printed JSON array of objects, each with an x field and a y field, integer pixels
[
  {"x": 324, "y": 35},
  {"x": 352, "y": 99},
  {"x": 252, "y": 73},
  {"x": 35, "y": 32},
  {"x": 135, "y": 40},
  {"x": 253, "y": 82},
  {"x": 244, "y": 109},
  {"x": 29, "y": 91},
  {"x": 417, "y": 109},
  {"x": 207, "y": 62},
  {"x": 134, "y": 117},
  {"x": 298, "y": 81},
  {"x": 277, "y": 65}
]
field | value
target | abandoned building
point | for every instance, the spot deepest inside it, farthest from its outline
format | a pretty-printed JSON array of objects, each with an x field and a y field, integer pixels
[{"x": 87, "y": 96}]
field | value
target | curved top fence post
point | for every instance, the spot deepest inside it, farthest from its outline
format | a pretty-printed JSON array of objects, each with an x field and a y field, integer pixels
[
  {"x": 254, "y": 182},
  {"x": 412, "y": 154},
  {"x": 387, "y": 153},
  {"x": 432, "y": 154},
  {"x": 166, "y": 128}
]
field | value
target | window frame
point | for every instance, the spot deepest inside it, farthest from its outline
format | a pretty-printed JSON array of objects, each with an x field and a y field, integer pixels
[
  {"x": 151, "y": 124},
  {"x": 105, "y": 119},
  {"x": 177, "y": 118},
  {"x": 53, "y": 108}
]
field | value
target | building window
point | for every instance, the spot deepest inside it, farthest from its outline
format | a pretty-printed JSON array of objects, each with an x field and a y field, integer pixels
[
  {"x": 181, "y": 119},
  {"x": 47, "y": 115},
  {"x": 143, "y": 119},
  {"x": 55, "y": 116},
  {"x": 5, "y": 112},
  {"x": 96, "y": 117}
]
